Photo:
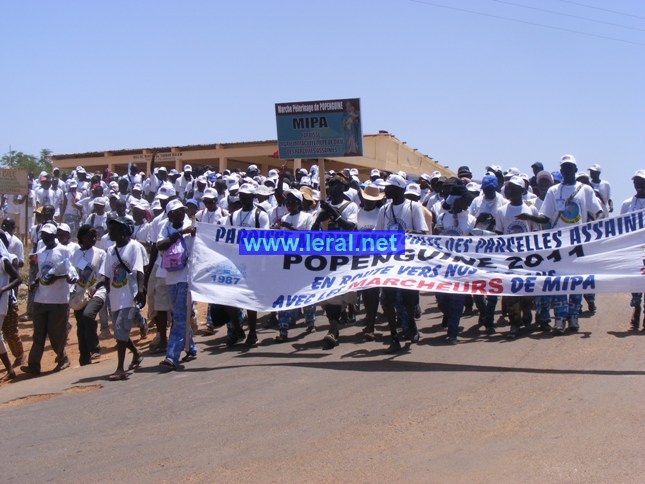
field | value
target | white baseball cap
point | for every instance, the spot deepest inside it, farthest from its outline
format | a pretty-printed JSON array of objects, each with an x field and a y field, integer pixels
[
  {"x": 414, "y": 189},
  {"x": 568, "y": 159},
  {"x": 595, "y": 167},
  {"x": 247, "y": 188},
  {"x": 174, "y": 205},
  {"x": 166, "y": 192},
  {"x": 395, "y": 181},
  {"x": 639, "y": 174}
]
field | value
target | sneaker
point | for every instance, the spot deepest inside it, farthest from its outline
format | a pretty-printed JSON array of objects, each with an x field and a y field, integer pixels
[
  {"x": 490, "y": 330},
  {"x": 417, "y": 312},
  {"x": 559, "y": 326},
  {"x": 592, "y": 307},
  {"x": 574, "y": 326},
  {"x": 513, "y": 333},
  {"x": 208, "y": 329},
  {"x": 451, "y": 340},
  {"x": 95, "y": 356},
  {"x": 311, "y": 329},
  {"x": 395, "y": 347}
]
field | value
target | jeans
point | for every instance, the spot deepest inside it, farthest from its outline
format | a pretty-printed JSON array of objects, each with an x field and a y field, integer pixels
[
  {"x": 180, "y": 330},
  {"x": 74, "y": 222},
  {"x": 284, "y": 318},
  {"x": 543, "y": 308},
  {"x": 452, "y": 307},
  {"x": 564, "y": 307}
]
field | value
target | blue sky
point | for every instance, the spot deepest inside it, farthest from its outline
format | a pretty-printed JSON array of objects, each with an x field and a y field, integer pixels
[{"x": 464, "y": 88}]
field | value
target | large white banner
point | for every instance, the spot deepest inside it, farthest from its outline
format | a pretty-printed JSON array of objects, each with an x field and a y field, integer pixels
[{"x": 603, "y": 256}]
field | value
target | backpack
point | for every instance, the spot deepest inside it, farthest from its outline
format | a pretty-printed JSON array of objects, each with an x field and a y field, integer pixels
[{"x": 175, "y": 257}]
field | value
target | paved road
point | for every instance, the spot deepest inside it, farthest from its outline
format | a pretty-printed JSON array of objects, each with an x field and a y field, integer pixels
[{"x": 538, "y": 409}]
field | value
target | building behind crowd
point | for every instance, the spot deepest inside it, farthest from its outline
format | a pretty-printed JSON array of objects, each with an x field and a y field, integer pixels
[{"x": 383, "y": 151}]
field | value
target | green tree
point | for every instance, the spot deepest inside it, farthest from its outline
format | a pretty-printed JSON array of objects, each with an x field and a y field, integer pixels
[{"x": 34, "y": 165}]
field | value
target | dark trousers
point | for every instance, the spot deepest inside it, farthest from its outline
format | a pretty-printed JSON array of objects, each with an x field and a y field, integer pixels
[
  {"x": 86, "y": 326},
  {"x": 486, "y": 306},
  {"x": 49, "y": 320},
  {"x": 370, "y": 301}
]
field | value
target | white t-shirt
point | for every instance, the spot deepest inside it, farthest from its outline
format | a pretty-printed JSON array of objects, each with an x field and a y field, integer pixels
[
  {"x": 99, "y": 222},
  {"x": 70, "y": 209},
  {"x": 447, "y": 225},
  {"x": 142, "y": 233},
  {"x": 565, "y": 210},
  {"x": 604, "y": 188},
  {"x": 247, "y": 219},
  {"x": 483, "y": 205},
  {"x": 507, "y": 223},
  {"x": 88, "y": 264},
  {"x": 632, "y": 204},
  {"x": 299, "y": 221},
  {"x": 4, "y": 280},
  {"x": 56, "y": 292},
  {"x": 217, "y": 216},
  {"x": 123, "y": 286},
  {"x": 349, "y": 212},
  {"x": 367, "y": 220},
  {"x": 16, "y": 248},
  {"x": 404, "y": 216}
]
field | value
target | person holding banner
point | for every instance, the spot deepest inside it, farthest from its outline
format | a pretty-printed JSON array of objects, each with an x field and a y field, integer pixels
[
  {"x": 366, "y": 220},
  {"x": 295, "y": 219},
  {"x": 568, "y": 203},
  {"x": 484, "y": 208},
  {"x": 249, "y": 216},
  {"x": 175, "y": 242},
  {"x": 634, "y": 204},
  {"x": 341, "y": 214},
  {"x": 400, "y": 213},
  {"x": 455, "y": 220},
  {"x": 507, "y": 222}
]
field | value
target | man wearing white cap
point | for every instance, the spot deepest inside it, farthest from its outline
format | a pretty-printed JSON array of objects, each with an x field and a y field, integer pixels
[
  {"x": 71, "y": 208},
  {"x": 211, "y": 214},
  {"x": 634, "y": 204},
  {"x": 250, "y": 217},
  {"x": 98, "y": 217},
  {"x": 406, "y": 215},
  {"x": 568, "y": 203},
  {"x": 507, "y": 222},
  {"x": 175, "y": 243},
  {"x": 184, "y": 182},
  {"x": 159, "y": 303},
  {"x": 158, "y": 178},
  {"x": 51, "y": 301},
  {"x": 602, "y": 186}
]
